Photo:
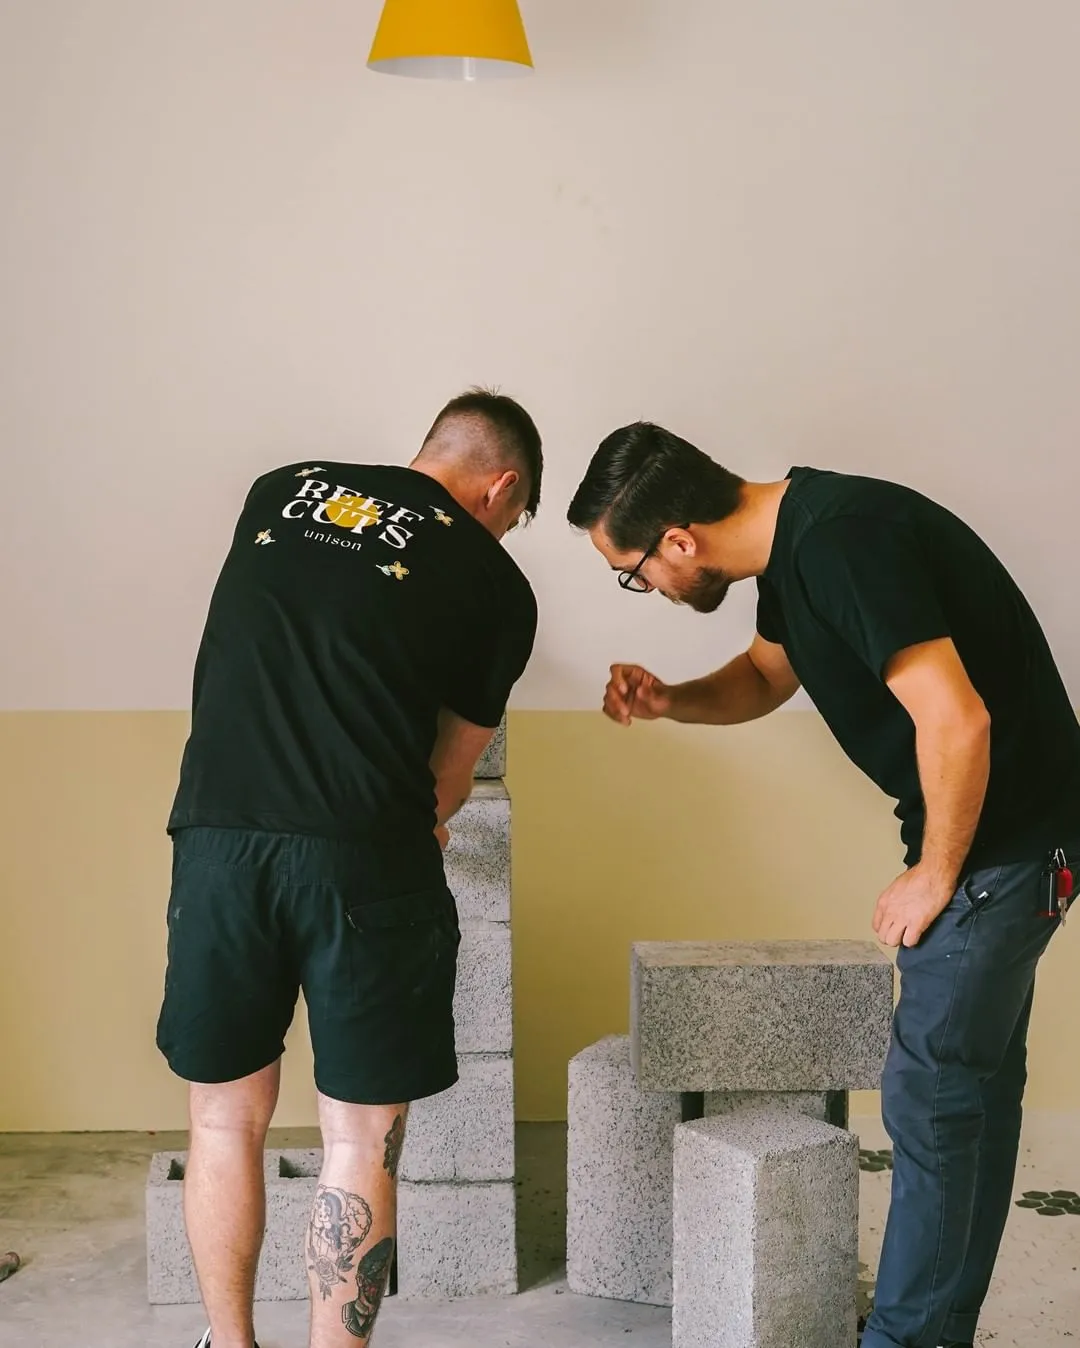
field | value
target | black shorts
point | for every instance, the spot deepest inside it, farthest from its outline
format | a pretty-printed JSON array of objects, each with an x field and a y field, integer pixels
[{"x": 254, "y": 917}]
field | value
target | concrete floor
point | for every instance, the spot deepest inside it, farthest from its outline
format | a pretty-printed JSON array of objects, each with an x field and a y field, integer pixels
[{"x": 72, "y": 1205}]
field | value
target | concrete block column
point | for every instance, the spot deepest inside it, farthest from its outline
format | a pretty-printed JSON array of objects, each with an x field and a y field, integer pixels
[
  {"x": 620, "y": 1144},
  {"x": 766, "y": 1209},
  {"x": 457, "y": 1224}
]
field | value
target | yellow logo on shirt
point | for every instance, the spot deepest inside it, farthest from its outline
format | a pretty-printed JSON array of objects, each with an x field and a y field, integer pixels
[
  {"x": 352, "y": 512},
  {"x": 398, "y": 571},
  {"x": 442, "y": 516}
]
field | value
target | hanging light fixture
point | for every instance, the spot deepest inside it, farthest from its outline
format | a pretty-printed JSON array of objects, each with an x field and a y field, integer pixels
[{"x": 451, "y": 40}]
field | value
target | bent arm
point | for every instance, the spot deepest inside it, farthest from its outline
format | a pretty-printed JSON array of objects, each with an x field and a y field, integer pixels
[
  {"x": 952, "y": 745},
  {"x": 748, "y": 687},
  {"x": 457, "y": 751}
]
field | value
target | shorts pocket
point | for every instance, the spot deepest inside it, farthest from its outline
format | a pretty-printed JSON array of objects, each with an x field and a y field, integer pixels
[
  {"x": 429, "y": 906},
  {"x": 399, "y": 963}
]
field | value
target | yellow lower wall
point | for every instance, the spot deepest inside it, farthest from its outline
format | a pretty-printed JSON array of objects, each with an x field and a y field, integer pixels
[{"x": 659, "y": 832}]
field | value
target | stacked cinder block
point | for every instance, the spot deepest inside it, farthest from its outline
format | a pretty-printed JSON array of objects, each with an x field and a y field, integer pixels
[
  {"x": 456, "y": 1209},
  {"x": 715, "y": 1135},
  {"x": 456, "y": 1203}
]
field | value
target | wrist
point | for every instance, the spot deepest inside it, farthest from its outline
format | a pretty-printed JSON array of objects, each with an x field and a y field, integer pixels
[
  {"x": 669, "y": 701},
  {"x": 942, "y": 873}
]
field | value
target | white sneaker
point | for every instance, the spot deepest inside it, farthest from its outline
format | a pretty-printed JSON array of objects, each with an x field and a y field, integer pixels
[{"x": 204, "y": 1342}]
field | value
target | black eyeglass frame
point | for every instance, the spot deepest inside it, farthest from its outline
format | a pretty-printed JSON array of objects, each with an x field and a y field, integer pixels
[{"x": 633, "y": 581}]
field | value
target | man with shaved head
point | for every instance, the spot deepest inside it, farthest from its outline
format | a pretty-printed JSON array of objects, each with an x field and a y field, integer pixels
[{"x": 362, "y": 641}]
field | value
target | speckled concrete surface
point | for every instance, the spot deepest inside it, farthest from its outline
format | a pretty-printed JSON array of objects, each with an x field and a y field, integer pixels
[
  {"x": 478, "y": 855},
  {"x": 483, "y": 999},
  {"x": 760, "y": 1016},
  {"x": 73, "y": 1207},
  {"x": 467, "y": 1132},
  {"x": 493, "y": 759},
  {"x": 619, "y": 1175},
  {"x": 765, "y": 1231}
]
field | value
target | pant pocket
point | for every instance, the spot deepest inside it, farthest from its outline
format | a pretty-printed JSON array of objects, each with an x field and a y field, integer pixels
[{"x": 978, "y": 889}]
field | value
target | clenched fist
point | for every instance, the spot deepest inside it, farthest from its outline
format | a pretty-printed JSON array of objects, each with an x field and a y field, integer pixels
[{"x": 633, "y": 694}]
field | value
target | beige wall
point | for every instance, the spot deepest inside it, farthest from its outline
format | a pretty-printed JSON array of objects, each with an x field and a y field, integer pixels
[
  {"x": 657, "y": 833},
  {"x": 840, "y": 233}
]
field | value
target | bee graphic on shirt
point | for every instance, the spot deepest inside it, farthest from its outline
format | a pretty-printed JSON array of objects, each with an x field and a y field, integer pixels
[
  {"x": 263, "y": 538},
  {"x": 398, "y": 571},
  {"x": 442, "y": 516},
  {"x": 307, "y": 472}
]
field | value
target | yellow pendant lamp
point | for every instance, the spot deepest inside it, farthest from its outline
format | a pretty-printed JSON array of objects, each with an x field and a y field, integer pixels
[{"x": 451, "y": 40}]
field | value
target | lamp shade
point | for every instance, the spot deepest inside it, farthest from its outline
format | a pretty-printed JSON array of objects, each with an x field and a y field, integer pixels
[{"x": 451, "y": 39}]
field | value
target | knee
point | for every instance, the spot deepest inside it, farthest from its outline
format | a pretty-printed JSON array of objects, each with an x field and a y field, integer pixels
[
  {"x": 365, "y": 1127},
  {"x": 241, "y": 1108}
]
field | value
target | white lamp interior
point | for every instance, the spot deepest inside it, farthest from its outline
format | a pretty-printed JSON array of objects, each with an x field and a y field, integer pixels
[{"x": 467, "y": 68}]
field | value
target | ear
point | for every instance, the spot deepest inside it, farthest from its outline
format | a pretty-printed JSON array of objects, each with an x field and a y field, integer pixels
[
  {"x": 681, "y": 542},
  {"x": 502, "y": 488}
]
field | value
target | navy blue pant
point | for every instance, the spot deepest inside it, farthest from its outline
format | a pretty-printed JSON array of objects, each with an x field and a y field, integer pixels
[{"x": 951, "y": 1100}]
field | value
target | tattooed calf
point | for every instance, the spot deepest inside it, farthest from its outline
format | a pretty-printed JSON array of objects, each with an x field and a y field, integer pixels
[
  {"x": 340, "y": 1223},
  {"x": 394, "y": 1140},
  {"x": 359, "y": 1316}
]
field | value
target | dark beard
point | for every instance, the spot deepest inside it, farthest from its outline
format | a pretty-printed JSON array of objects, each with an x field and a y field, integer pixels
[{"x": 706, "y": 592}]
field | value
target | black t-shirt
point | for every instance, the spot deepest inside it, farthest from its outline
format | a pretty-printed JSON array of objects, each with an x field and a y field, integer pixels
[
  {"x": 861, "y": 569},
  {"x": 355, "y": 602}
]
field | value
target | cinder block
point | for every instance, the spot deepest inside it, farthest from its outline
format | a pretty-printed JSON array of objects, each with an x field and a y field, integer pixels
[
  {"x": 170, "y": 1273},
  {"x": 493, "y": 760},
  {"x": 769, "y": 1016},
  {"x": 766, "y": 1232},
  {"x": 478, "y": 857},
  {"x": 826, "y": 1106},
  {"x": 483, "y": 1008},
  {"x": 467, "y": 1132},
  {"x": 620, "y": 1145},
  {"x": 456, "y": 1240},
  {"x": 291, "y": 1181},
  {"x": 292, "y": 1178}
]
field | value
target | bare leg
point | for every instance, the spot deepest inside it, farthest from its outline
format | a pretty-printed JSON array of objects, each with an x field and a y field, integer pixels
[
  {"x": 354, "y": 1222},
  {"x": 225, "y": 1197}
]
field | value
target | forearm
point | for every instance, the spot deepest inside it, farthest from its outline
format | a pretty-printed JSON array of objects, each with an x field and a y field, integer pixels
[
  {"x": 451, "y": 793},
  {"x": 738, "y": 692},
  {"x": 954, "y": 769}
]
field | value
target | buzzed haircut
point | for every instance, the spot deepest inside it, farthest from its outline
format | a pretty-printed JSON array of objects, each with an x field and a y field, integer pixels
[{"x": 515, "y": 437}]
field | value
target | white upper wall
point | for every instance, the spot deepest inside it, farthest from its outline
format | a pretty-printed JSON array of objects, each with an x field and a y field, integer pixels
[{"x": 837, "y": 233}]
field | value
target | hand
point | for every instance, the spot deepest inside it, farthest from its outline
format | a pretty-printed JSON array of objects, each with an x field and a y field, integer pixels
[
  {"x": 442, "y": 833},
  {"x": 910, "y": 904},
  {"x": 635, "y": 694}
]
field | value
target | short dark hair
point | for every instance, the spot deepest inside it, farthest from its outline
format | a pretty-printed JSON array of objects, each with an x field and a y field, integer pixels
[
  {"x": 643, "y": 480},
  {"x": 514, "y": 428}
]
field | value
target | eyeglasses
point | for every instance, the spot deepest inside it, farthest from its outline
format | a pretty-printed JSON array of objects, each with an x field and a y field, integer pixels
[{"x": 633, "y": 580}]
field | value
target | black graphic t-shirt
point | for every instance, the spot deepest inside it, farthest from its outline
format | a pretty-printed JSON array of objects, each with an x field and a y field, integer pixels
[
  {"x": 355, "y": 602},
  {"x": 861, "y": 569}
]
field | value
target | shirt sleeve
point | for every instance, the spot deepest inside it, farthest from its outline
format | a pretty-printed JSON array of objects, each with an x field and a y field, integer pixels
[
  {"x": 870, "y": 581},
  {"x": 497, "y": 657},
  {"x": 770, "y": 621}
]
